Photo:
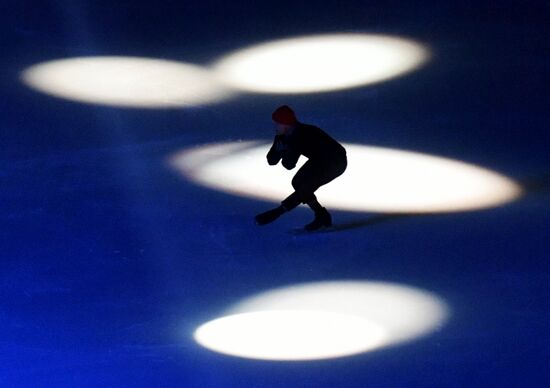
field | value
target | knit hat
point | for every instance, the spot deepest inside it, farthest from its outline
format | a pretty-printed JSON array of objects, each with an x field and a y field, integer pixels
[{"x": 284, "y": 115}]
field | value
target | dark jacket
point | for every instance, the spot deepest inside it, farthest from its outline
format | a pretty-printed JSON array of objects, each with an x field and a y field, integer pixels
[{"x": 308, "y": 140}]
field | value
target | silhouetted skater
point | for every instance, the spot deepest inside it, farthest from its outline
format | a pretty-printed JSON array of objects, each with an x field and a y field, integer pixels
[{"x": 326, "y": 161}]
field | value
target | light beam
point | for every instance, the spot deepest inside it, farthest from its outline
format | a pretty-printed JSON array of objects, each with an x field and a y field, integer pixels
[
  {"x": 320, "y": 63},
  {"x": 323, "y": 320},
  {"x": 126, "y": 82},
  {"x": 377, "y": 179}
]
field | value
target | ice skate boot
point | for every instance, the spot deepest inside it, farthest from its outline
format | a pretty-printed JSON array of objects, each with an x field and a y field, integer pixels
[{"x": 322, "y": 219}]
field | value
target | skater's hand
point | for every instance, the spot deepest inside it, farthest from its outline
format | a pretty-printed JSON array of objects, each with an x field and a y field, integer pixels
[
  {"x": 276, "y": 151},
  {"x": 290, "y": 159},
  {"x": 289, "y": 165},
  {"x": 280, "y": 146}
]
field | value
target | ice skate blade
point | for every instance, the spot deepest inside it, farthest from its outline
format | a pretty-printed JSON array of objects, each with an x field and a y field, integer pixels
[{"x": 323, "y": 229}]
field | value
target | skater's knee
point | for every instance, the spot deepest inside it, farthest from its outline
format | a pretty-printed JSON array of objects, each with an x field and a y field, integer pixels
[{"x": 297, "y": 183}]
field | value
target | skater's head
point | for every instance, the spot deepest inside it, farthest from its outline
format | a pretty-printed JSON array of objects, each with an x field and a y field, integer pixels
[{"x": 284, "y": 119}]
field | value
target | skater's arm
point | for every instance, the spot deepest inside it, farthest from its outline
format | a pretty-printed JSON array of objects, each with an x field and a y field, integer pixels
[{"x": 275, "y": 152}]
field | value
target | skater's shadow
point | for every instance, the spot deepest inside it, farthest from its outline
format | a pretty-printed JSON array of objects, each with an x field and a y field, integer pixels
[
  {"x": 374, "y": 220},
  {"x": 532, "y": 185},
  {"x": 537, "y": 184}
]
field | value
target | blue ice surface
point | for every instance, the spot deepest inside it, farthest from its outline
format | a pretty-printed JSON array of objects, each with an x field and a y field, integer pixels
[{"x": 110, "y": 260}]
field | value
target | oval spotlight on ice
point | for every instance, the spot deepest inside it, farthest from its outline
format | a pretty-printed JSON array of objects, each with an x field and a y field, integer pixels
[
  {"x": 125, "y": 81},
  {"x": 377, "y": 179},
  {"x": 323, "y": 320},
  {"x": 320, "y": 63}
]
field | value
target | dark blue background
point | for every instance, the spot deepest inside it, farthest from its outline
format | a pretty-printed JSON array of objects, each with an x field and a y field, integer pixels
[{"x": 109, "y": 260}]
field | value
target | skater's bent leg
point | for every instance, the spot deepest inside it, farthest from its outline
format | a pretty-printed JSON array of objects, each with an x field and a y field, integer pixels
[
  {"x": 299, "y": 196},
  {"x": 305, "y": 182},
  {"x": 292, "y": 201},
  {"x": 270, "y": 215},
  {"x": 314, "y": 204}
]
